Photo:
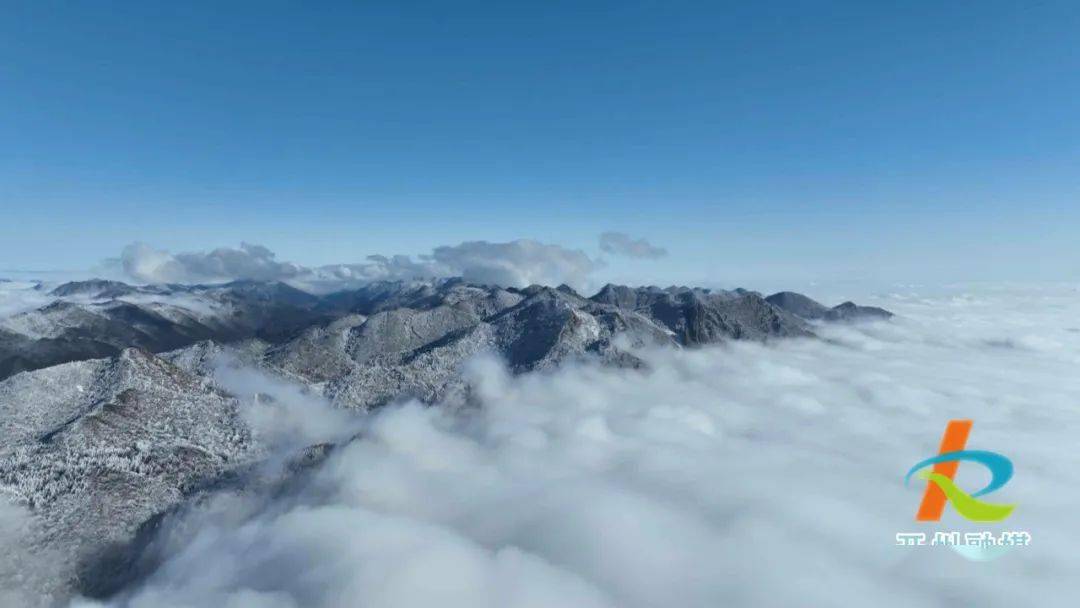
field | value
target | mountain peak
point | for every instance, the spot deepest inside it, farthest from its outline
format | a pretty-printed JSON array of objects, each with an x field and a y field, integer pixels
[{"x": 94, "y": 288}]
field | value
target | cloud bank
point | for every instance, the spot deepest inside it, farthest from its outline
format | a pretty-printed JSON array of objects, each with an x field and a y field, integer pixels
[
  {"x": 618, "y": 243},
  {"x": 517, "y": 263},
  {"x": 742, "y": 475},
  {"x": 144, "y": 263}
]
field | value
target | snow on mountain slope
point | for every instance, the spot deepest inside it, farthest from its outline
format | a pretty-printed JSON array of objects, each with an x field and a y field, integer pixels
[
  {"x": 97, "y": 448},
  {"x": 89, "y": 319},
  {"x": 100, "y": 318}
]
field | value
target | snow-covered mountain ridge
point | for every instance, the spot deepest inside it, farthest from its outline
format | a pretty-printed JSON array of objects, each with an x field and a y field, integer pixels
[{"x": 112, "y": 412}]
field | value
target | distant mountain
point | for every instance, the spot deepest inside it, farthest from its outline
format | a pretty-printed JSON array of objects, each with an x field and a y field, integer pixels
[
  {"x": 849, "y": 311},
  {"x": 94, "y": 288},
  {"x": 701, "y": 316},
  {"x": 417, "y": 349},
  {"x": 798, "y": 305},
  {"x": 805, "y": 308},
  {"x": 97, "y": 318}
]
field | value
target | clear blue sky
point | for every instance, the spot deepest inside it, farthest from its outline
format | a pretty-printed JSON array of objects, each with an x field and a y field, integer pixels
[{"x": 773, "y": 139}]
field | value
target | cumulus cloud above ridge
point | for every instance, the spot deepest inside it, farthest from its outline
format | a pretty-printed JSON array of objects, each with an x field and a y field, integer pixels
[
  {"x": 144, "y": 263},
  {"x": 516, "y": 263},
  {"x": 741, "y": 475}
]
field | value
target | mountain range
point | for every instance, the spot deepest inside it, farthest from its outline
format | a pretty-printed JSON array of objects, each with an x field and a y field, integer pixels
[{"x": 111, "y": 414}]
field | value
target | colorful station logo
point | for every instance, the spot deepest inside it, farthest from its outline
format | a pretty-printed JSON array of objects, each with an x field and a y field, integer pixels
[{"x": 939, "y": 479}]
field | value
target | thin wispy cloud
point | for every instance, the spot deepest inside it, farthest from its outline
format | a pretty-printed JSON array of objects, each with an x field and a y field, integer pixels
[{"x": 621, "y": 244}]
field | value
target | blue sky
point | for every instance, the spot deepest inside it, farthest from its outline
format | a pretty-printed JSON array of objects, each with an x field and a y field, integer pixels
[{"x": 827, "y": 140}]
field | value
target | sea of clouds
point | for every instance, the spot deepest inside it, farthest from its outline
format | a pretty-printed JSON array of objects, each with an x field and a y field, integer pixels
[{"x": 739, "y": 475}]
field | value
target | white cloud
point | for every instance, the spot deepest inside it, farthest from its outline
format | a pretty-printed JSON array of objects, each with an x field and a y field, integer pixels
[
  {"x": 618, "y": 243},
  {"x": 144, "y": 263},
  {"x": 26, "y": 572},
  {"x": 517, "y": 263},
  {"x": 743, "y": 475},
  {"x": 21, "y": 296},
  {"x": 12, "y": 520},
  {"x": 284, "y": 416}
]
